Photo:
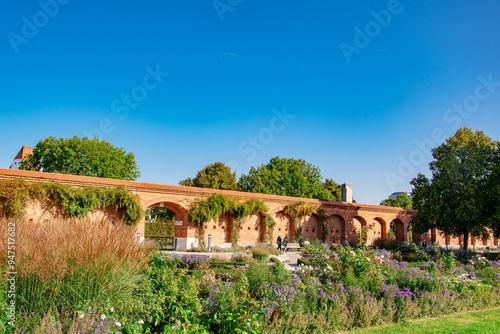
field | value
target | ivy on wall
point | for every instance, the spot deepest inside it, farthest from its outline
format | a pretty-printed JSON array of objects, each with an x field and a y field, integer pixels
[
  {"x": 74, "y": 201},
  {"x": 269, "y": 223},
  {"x": 205, "y": 209},
  {"x": 298, "y": 210},
  {"x": 240, "y": 211}
]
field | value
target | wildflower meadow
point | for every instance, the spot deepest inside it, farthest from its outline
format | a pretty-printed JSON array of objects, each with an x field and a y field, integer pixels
[{"x": 104, "y": 281}]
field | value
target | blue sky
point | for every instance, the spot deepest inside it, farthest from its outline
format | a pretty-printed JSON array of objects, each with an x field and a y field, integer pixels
[{"x": 361, "y": 89}]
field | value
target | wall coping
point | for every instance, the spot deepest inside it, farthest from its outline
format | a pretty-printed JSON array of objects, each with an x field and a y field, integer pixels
[{"x": 183, "y": 190}]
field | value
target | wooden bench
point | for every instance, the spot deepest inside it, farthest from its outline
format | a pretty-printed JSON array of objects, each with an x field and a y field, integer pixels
[{"x": 292, "y": 245}]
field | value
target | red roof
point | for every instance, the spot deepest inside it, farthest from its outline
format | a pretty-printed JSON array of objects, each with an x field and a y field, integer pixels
[{"x": 23, "y": 152}]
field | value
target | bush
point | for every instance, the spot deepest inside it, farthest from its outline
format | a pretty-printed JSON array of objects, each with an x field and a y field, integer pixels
[
  {"x": 386, "y": 244},
  {"x": 260, "y": 254}
]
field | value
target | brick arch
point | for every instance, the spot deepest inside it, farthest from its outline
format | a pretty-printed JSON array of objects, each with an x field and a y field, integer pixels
[
  {"x": 311, "y": 227},
  {"x": 353, "y": 230},
  {"x": 378, "y": 229},
  {"x": 401, "y": 230},
  {"x": 181, "y": 217},
  {"x": 336, "y": 228},
  {"x": 181, "y": 213}
]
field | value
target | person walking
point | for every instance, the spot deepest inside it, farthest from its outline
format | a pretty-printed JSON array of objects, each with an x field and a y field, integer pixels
[{"x": 279, "y": 242}]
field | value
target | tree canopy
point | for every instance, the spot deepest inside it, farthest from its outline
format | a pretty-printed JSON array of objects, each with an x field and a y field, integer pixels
[
  {"x": 402, "y": 200},
  {"x": 88, "y": 157},
  {"x": 456, "y": 199},
  {"x": 288, "y": 177},
  {"x": 214, "y": 176}
]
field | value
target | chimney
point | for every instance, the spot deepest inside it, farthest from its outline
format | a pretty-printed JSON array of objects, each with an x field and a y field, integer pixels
[{"x": 347, "y": 192}]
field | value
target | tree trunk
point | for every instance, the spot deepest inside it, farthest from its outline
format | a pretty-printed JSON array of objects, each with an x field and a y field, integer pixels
[{"x": 466, "y": 240}]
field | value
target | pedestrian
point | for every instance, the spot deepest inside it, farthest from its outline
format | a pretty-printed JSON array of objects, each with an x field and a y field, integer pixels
[
  {"x": 285, "y": 243},
  {"x": 334, "y": 240},
  {"x": 279, "y": 242},
  {"x": 424, "y": 244}
]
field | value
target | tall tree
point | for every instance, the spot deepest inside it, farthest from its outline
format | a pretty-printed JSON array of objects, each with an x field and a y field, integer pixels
[
  {"x": 286, "y": 177},
  {"x": 493, "y": 194},
  {"x": 455, "y": 199},
  {"x": 88, "y": 157},
  {"x": 401, "y": 201},
  {"x": 334, "y": 188},
  {"x": 215, "y": 176}
]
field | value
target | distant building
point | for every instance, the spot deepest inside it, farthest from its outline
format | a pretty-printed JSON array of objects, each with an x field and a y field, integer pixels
[
  {"x": 393, "y": 195},
  {"x": 25, "y": 150}
]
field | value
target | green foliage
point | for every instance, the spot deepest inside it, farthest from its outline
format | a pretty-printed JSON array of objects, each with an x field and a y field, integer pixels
[
  {"x": 173, "y": 296},
  {"x": 214, "y": 176},
  {"x": 456, "y": 200},
  {"x": 260, "y": 254},
  {"x": 73, "y": 201},
  {"x": 203, "y": 210},
  {"x": 242, "y": 209},
  {"x": 288, "y": 177},
  {"x": 493, "y": 193},
  {"x": 298, "y": 210},
  {"x": 269, "y": 223},
  {"x": 88, "y": 157},
  {"x": 160, "y": 229},
  {"x": 334, "y": 188},
  {"x": 401, "y": 201}
]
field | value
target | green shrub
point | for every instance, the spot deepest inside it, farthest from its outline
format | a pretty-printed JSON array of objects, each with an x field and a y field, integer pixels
[{"x": 260, "y": 254}]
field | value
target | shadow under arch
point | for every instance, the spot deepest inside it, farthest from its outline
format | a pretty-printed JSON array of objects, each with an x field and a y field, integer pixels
[
  {"x": 379, "y": 228},
  {"x": 398, "y": 228},
  {"x": 181, "y": 217}
]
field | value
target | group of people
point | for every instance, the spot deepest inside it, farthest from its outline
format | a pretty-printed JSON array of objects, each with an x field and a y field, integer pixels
[{"x": 281, "y": 242}]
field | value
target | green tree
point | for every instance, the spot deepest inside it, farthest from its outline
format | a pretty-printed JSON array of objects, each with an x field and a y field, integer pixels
[
  {"x": 214, "y": 176},
  {"x": 493, "y": 194},
  {"x": 88, "y": 157},
  {"x": 401, "y": 201},
  {"x": 455, "y": 200},
  {"x": 286, "y": 177},
  {"x": 334, "y": 188}
]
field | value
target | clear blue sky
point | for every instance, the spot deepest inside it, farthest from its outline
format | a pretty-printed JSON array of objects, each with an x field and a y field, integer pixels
[{"x": 359, "y": 93}]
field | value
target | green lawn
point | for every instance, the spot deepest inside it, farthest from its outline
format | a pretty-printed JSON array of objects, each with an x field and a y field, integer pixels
[{"x": 485, "y": 321}]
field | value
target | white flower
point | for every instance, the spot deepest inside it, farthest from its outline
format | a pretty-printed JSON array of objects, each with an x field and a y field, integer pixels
[
  {"x": 141, "y": 322},
  {"x": 103, "y": 317},
  {"x": 381, "y": 256},
  {"x": 117, "y": 324},
  {"x": 81, "y": 316},
  {"x": 112, "y": 309},
  {"x": 352, "y": 252},
  {"x": 368, "y": 259}
]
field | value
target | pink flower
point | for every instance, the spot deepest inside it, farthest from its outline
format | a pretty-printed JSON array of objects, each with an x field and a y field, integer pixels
[{"x": 103, "y": 317}]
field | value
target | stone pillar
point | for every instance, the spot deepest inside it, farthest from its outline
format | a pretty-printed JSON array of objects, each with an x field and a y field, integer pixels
[{"x": 347, "y": 193}]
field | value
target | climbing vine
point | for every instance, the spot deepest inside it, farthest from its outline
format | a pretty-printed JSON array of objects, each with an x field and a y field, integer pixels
[
  {"x": 324, "y": 223},
  {"x": 73, "y": 201},
  {"x": 205, "y": 209},
  {"x": 298, "y": 210},
  {"x": 269, "y": 223},
  {"x": 241, "y": 210}
]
